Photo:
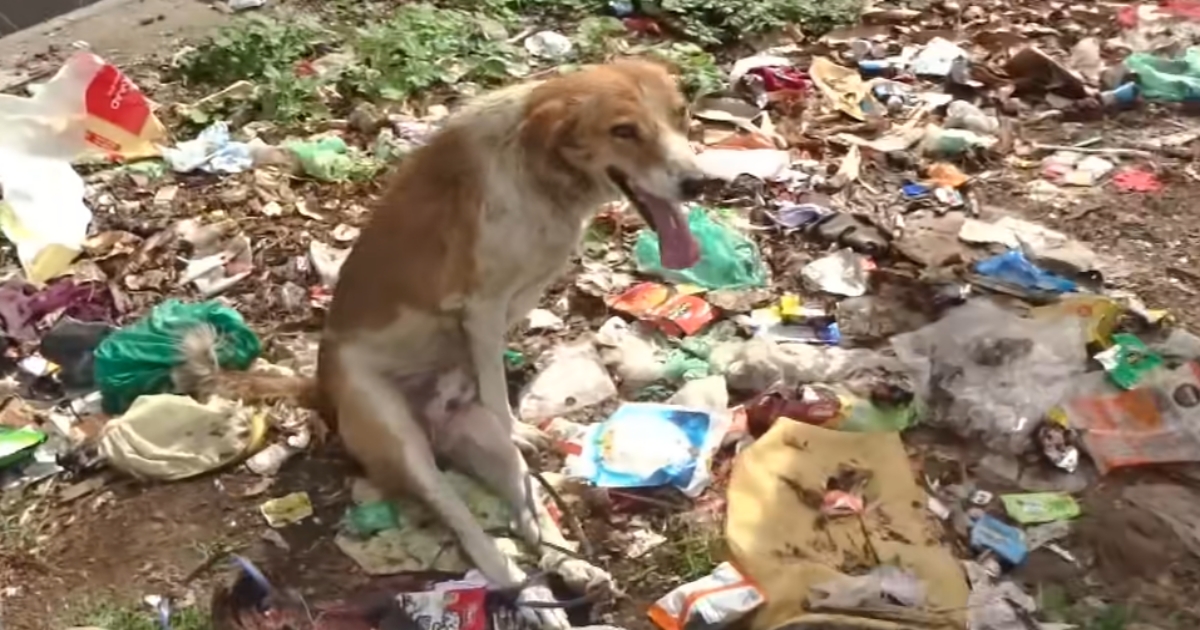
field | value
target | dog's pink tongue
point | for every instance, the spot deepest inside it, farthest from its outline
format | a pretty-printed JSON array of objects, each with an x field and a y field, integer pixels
[{"x": 678, "y": 249}]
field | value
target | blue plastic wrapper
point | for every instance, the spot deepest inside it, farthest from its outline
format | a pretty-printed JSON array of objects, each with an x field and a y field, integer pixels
[
  {"x": 1006, "y": 541},
  {"x": 913, "y": 190},
  {"x": 645, "y": 445},
  {"x": 1014, "y": 268},
  {"x": 798, "y": 215},
  {"x": 824, "y": 334}
]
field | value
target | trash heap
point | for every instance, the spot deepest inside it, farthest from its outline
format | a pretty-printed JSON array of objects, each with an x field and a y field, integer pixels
[{"x": 884, "y": 388}]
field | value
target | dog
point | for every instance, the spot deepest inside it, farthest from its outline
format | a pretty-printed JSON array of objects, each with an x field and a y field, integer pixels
[{"x": 462, "y": 245}]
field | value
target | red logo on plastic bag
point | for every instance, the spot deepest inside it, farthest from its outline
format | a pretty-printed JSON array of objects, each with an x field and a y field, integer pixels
[{"x": 111, "y": 96}]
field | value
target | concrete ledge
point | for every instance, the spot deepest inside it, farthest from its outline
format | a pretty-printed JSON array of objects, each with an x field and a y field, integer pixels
[{"x": 119, "y": 30}]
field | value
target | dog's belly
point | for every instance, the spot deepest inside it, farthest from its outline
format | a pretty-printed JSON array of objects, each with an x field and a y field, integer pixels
[{"x": 443, "y": 402}]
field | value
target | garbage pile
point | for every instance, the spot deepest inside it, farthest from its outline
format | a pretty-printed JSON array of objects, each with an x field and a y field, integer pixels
[{"x": 860, "y": 281}]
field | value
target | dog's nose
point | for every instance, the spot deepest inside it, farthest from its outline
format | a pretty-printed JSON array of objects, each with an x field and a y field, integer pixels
[{"x": 692, "y": 186}]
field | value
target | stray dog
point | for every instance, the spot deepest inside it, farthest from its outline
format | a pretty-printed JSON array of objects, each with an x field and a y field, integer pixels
[{"x": 471, "y": 231}]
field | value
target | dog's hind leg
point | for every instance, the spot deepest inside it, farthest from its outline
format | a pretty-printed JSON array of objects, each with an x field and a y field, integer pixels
[
  {"x": 474, "y": 440},
  {"x": 379, "y": 429}
]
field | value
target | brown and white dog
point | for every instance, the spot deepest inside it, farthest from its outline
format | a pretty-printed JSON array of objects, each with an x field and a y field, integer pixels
[{"x": 462, "y": 245}]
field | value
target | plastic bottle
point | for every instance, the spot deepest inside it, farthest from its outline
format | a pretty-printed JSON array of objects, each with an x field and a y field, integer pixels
[
  {"x": 1125, "y": 95},
  {"x": 951, "y": 142}
]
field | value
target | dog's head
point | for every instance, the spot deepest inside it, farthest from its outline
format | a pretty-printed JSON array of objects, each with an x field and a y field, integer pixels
[{"x": 623, "y": 126}]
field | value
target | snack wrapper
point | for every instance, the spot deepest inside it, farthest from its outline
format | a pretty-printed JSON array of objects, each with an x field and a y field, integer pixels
[{"x": 714, "y": 601}]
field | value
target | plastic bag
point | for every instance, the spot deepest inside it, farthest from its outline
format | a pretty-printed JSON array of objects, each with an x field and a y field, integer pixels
[
  {"x": 139, "y": 358},
  {"x": 328, "y": 159},
  {"x": 17, "y": 444},
  {"x": 883, "y": 585},
  {"x": 985, "y": 372},
  {"x": 89, "y": 106},
  {"x": 574, "y": 378},
  {"x": 1163, "y": 79},
  {"x": 714, "y": 601},
  {"x": 728, "y": 260},
  {"x": 213, "y": 151},
  {"x": 644, "y": 445},
  {"x": 1152, "y": 424},
  {"x": 1012, "y": 267},
  {"x": 168, "y": 437}
]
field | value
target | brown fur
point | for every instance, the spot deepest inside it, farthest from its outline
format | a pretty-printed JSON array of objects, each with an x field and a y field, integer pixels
[{"x": 469, "y": 233}]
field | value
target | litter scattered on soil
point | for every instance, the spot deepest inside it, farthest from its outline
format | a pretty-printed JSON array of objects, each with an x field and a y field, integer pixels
[{"x": 933, "y": 369}]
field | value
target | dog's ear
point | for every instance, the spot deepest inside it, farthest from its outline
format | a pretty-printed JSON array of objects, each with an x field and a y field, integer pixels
[{"x": 552, "y": 125}]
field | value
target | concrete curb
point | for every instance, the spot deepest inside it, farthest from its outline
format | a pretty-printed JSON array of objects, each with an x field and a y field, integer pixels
[{"x": 66, "y": 19}]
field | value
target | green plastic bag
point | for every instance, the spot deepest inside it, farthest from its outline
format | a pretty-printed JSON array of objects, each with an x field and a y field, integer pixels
[
  {"x": 368, "y": 519},
  {"x": 18, "y": 444},
  {"x": 138, "y": 359},
  {"x": 329, "y": 159},
  {"x": 1040, "y": 507},
  {"x": 728, "y": 260},
  {"x": 1162, "y": 79}
]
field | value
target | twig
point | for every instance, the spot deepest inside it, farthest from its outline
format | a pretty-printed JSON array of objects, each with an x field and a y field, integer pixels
[
  {"x": 567, "y": 514},
  {"x": 1101, "y": 151},
  {"x": 645, "y": 499}
]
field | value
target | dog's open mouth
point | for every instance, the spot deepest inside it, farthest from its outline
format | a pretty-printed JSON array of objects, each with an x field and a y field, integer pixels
[{"x": 677, "y": 247}]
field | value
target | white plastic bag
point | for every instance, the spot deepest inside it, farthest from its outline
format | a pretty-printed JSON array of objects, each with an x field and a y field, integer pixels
[
  {"x": 574, "y": 378},
  {"x": 714, "y": 601},
  {"x": 88, "y": 107},
  {"x": 988, "y": 373}
]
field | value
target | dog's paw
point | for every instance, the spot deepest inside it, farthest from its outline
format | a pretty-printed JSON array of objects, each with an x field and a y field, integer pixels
[
  {"x": 529, "y": 438},
  {"x": 583, "y": 576},
  {"x": 541, "y": 618}
]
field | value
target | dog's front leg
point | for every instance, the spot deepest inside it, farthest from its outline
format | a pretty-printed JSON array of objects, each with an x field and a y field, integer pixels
[{"x": 485, "y": 325}]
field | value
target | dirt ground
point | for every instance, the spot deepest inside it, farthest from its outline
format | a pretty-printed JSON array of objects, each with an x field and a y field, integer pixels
[{"x": 124, "y": 540}]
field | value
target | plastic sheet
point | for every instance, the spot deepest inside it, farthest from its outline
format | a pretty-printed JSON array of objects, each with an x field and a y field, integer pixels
[
  {"x": 1174, "y": 80},
  {"x": 139, "y": 358},
  {"x": 987, "y": 373},
  {"x": 1012, "y": 267},
  {"x": 728, "y": 260}
]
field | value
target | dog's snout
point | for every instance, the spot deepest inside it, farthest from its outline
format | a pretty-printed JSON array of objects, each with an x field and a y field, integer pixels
[{"x": 692, "y": 186}]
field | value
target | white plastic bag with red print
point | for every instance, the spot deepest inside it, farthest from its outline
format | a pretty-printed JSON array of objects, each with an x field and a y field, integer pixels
[{"x": 89, "y": 108}]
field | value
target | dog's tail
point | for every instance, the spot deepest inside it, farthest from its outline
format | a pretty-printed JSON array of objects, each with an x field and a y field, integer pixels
[{"x": 200, "y": 375}]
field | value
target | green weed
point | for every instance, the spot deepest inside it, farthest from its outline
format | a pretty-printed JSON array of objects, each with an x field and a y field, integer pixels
[
  {"x": 249, "y": 50},
  {"x": 113, "y": 616},
  {"x": 698, "y": 70},
  {"x": 599, "y": 38},
  {"x": 423, "y": 46},
  {"x": 265, "y": 52},
  {"x": 726, "y": 22},
  {"x": 693, "y": 552}
]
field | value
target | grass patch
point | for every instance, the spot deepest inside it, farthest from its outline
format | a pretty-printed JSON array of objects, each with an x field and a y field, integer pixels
[
  {"x": 113, "y": 616},
  {"x": 423, "y": 47},
  {"x": 728, "y": 22},
  {"x": 251, "y": 50},
  {"x": 303, "y": 70},
  {"x": 694, "y": 550}
]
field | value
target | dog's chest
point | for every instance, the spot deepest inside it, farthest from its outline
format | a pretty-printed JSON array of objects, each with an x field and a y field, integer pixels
[{"x": 525, "y": 244}]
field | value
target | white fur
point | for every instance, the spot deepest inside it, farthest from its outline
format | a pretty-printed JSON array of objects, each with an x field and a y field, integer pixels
[{"x": 524, "y": 243}]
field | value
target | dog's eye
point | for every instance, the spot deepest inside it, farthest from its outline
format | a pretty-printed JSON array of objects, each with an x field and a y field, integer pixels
[{"x": 625, "y": 130}]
